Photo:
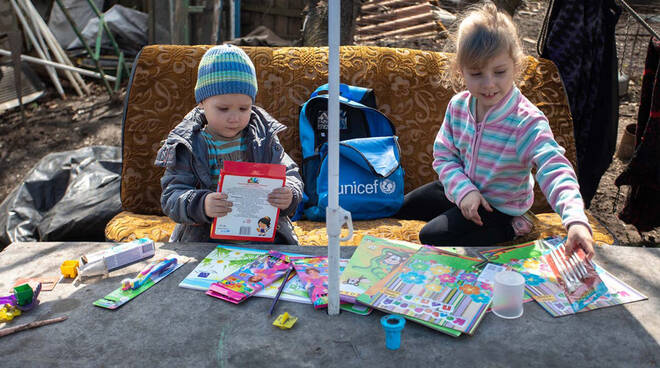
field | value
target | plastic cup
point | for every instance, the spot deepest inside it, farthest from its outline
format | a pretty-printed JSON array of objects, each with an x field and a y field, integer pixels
[
  {"x": 392, "y": 325},
  {"x": 508, "y": 294}
]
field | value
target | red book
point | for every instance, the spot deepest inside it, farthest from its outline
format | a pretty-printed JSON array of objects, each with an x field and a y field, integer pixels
[{"x": 247, "y": 185}]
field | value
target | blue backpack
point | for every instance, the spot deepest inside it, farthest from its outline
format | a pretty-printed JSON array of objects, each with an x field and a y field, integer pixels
[{"x": 371, "y": 176}]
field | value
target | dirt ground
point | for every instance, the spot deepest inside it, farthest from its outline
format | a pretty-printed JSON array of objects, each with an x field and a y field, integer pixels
[{"x": 53, "y": 124}]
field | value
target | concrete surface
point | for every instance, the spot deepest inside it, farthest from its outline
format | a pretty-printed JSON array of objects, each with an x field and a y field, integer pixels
[{"x": 173, "y": 326}]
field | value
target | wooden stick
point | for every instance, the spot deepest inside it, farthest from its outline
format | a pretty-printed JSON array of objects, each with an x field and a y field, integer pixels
[
  {"x": 35, "y": 44},
  {"x": 38, "y": 29},
  {"x": 85, "y": 72},
  {"x": 80, "y": 83},
  {"x": 58, "y": 52},
  {"x": 27, "y": 326},
  {"x": 47, "y": 32}
]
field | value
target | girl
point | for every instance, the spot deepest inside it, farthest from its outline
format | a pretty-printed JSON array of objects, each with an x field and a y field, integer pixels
[{"x": 489, "y": 141}]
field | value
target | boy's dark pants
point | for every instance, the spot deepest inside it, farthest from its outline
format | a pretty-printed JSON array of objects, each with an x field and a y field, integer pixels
[{"x": 446, "y": 225}]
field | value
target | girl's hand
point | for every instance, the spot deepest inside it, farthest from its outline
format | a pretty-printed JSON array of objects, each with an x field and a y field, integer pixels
[
  {"x": 579, "y": 236},
  {"x": 280, "y": 197},
  {"x": 470, "y": 206},
  {"x": 216, "y": 205}
]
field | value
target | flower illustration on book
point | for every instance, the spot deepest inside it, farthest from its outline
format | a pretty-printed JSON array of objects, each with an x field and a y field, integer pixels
[
  {"x": 468, "y": 277},
  {"x": 531, "y": 263},
  {"x": 532, "y": 279},
  {"x": 413, "y": 278},
  {"x": 447, "y": 278},
  {"x": 470, "y": 289},
  {"x": 486, "y": 286},
  {"x": 440, "y": 269},
  {"x": 480, "y": 298},
  {"x": 419, "y": 266}
]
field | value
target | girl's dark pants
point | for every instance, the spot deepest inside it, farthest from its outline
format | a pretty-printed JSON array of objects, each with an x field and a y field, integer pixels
[{"x": 446, "y": 225}]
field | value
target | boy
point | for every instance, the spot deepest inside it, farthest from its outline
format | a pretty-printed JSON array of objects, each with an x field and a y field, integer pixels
[{"x": 225, "y": 125}]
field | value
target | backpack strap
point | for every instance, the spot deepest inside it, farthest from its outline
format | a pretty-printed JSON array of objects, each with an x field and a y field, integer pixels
[{"x": 349, "y": 92}]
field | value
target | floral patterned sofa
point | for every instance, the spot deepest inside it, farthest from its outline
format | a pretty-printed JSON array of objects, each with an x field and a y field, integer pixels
[{"x": 410, "y": 88}]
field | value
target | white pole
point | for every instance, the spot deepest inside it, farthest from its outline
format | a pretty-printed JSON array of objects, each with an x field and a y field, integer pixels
[
  {"x": 49, "y": 64},
  {"x": 35, "y": 44},
  {"x": 333, "y": 223}
]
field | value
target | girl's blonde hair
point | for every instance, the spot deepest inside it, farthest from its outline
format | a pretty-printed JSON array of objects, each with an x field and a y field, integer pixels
[{"x": 482, "y": 34}]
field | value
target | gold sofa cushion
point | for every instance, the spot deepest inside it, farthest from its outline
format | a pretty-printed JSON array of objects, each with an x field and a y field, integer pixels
[
  {"x": 127, "y": 226},
  {"x": 411, "y": 89}
]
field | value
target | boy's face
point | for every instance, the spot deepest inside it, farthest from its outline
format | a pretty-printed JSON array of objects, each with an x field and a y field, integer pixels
[
  {"x": 489, "y": 83},
  {"x": 227, "y": 115}
]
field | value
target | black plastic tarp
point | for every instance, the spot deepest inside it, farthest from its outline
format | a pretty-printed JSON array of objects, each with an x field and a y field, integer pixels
[
  {"x": 67, "y": 196},
  {"x": 129, "y": 28}
]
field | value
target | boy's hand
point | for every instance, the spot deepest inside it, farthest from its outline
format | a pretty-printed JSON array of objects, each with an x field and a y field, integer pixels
[
  {"x": 216, "y": 205},
  {"x": 280, "y": 197},
  {"x": 470, "y": 206},
  {"x": 579, "y": 236}
]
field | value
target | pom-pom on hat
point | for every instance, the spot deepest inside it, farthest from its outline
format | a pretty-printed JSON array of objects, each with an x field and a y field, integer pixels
[{"x": 225, "y": 69}]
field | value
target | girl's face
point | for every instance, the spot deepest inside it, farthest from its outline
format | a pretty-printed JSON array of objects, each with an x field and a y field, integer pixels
[
  {"x": 227, "y": 115},
  {"x": 489, "y": 83}
]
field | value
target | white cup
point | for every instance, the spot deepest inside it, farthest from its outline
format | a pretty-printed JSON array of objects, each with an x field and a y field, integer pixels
[{"x": 508, "y": 294}]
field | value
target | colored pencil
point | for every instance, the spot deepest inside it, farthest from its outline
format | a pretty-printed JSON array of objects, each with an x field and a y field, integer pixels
[{"x": 279, "y": 291}]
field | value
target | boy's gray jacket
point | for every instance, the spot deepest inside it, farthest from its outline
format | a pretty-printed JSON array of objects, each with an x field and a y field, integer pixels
[{"x": 187, "y": 179}]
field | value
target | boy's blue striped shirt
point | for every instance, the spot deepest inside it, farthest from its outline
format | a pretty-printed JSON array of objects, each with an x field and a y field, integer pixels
[{"x": 220, "y": 150}]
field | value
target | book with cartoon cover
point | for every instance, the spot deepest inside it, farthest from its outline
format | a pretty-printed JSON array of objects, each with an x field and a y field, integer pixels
[{"x": 247, "y": 186}]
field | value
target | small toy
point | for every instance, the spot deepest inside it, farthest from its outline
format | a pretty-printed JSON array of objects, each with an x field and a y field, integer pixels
[
  {"x": 8, "y": 312},
  {"x": 23, "y": 294},
  {"x": 23, "y": 298},
  {"x": 285, "y": 321},
  {"x": 393, "y": 326},
  {"x": 69, "y": 269},
  {"x": 153, "y": 269}
]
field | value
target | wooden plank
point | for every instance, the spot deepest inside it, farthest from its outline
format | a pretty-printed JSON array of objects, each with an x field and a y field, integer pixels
[
  {"x": 395, "y": 13},
  {"x": 396, "y": 24},
  {"x": 426, "y": 27},
  {"x": 377, "y": 6}
]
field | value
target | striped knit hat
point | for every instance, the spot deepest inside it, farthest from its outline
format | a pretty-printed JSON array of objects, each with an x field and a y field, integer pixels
[{"x": 225, "y": 69}]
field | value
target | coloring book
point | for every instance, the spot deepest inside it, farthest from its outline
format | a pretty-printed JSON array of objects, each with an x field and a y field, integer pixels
[
  {"x": 373, "y": 259},
  {"x": 313, "y": 273},
  {"x": 534, "y": 262},
  {"x": 251, "y": 278},
  {"x": 225, "y": 259},
  {"x": 434, "y": 286}
]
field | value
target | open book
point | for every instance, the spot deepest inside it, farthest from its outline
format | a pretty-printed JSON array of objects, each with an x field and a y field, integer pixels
[{"x": 547, "y": 278}]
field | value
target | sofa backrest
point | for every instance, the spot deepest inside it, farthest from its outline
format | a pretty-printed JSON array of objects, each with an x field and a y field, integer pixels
[{"x": 409, "y": 84}]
